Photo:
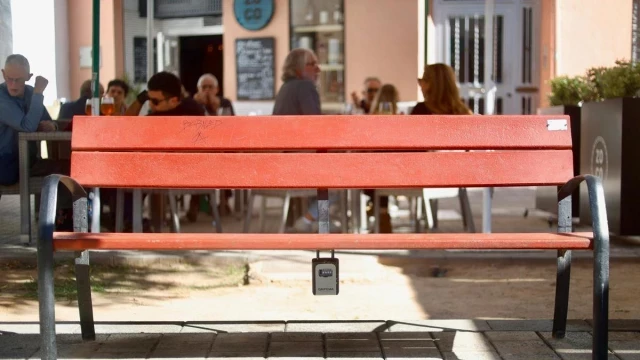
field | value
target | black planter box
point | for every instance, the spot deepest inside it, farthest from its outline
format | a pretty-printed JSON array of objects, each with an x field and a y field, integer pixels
[
  {"x": 547, "y": 196},
  {"x": 611, "y": 149}
]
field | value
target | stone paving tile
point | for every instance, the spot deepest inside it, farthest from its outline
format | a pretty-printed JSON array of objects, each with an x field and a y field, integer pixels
[
  {"x": 401, "y": 349},
  {"x": 527, "y": 349},
  {"x": 462, "y": 341},
  {"x": 195, "y": 345},
  {"x": 536, "y": 325},
  {"x": 18, "y": 346},
  {"x": 296, "y": 336},
  {"x": 439, "y": 325},
  {"x": 133, "y": 345},
  {"x": 296, "y": 349},
  {"x": 71, "y": 346},
  {"x": 233, "y": 327},
  {"x": 352, "y": 342},
  {"x": 240, "y": 344},
  {"x": 625, "y": 345},
  {"x": 512, "y": 335},
  {"x": 358, "y": 355},
  {"x": 574, "y": 346},
  {"x": 339, "y": 326},
  {"x": 471, "y": 355},
  {"x": 621, "y": 324}
]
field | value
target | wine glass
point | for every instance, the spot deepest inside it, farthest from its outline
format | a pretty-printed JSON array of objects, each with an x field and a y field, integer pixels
[
  {"x": 385, "y": 108},
  {"x": 224, "y": 111},
  {"x": 107, "y": 107}
]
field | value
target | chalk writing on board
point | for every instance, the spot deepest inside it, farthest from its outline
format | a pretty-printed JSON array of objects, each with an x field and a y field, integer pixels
[{"x": 255, "y": 69}]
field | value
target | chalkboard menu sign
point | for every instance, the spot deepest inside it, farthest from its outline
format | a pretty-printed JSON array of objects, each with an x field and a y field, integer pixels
[
  {"x": 255, "y": 69},
  {"x": 140, "y": 59}
]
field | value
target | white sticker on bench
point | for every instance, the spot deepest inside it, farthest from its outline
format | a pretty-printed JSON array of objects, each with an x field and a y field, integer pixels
[{"x": 557, "y": 125}]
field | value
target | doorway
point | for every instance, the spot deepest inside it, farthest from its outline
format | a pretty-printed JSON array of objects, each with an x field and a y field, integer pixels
[
  {"x": 200, "y": 55},
  {"x": 460, "y": 43}
]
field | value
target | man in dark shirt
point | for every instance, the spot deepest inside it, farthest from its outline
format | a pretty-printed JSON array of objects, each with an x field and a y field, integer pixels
[
  {"x": 164, "y": 93},
  {"x": 371, "y": 87},
  {"x": 70, "y": 109}
]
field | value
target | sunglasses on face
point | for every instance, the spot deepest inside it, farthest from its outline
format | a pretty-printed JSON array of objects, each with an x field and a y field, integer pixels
[
  {"x": 156, "y": 101},
  {"x": 372, "y": 90}
]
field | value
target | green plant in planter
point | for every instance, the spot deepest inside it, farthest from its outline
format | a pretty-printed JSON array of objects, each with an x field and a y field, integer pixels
[
  {"x": 566, "y": 90},
  {"x": 622, "y": 80}
]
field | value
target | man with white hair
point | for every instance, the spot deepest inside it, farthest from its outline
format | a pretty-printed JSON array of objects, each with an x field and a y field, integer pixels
[
  {"x": 299, "y": 95},
  {"x": 207, "y": 96},
  {"x": 21, "y": 110}
]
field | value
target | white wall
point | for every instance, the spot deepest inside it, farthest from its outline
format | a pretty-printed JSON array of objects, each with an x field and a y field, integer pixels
[
  {"x": 61, "y": 30},
  {"x": 34, "y": 37},
  {"x": 6, "y": 39}
]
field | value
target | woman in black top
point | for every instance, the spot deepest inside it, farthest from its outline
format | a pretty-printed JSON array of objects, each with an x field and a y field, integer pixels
[{"x": 441, "y": 95}]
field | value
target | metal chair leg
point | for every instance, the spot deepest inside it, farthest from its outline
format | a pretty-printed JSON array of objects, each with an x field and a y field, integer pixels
[
  {"x": 119, "y": 210},
  {"x": 247, "y": 219},
  {"x": 213, "y": 201},
  {"x": 376, "y": 212},
  {"x": 262, "y": 216},
  {"x": 285, "y": 213},
  {"x": 175, "y": 216}
]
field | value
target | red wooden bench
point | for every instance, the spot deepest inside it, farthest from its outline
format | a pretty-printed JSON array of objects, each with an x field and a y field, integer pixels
[{"x": 244, "y": 152}]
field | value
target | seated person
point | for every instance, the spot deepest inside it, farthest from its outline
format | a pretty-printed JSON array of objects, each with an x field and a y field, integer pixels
[
  {"x": 207, "y": 96},
  {"x": 77, "y": 107},
  {"x": 22, "y": 110},
  {"x": 118, "y": 90}
]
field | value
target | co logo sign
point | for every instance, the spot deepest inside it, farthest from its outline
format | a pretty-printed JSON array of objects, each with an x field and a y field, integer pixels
[
  {"x": 253, "y": 14},
  {"x": 599, "y": 159}
]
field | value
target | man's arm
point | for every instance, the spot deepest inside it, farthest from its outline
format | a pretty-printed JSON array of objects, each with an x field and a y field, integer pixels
[
  {"x": 136, "y": 106},
  {"x": 309, "y": 99},
  {"x": 12, "y": 116}
]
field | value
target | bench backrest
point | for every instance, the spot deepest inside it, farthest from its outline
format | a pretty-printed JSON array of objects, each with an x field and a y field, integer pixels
[{"x": 321, "y": 151}]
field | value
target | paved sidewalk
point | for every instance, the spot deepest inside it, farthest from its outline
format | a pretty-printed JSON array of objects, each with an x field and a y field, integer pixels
[{"x": 421, "y": 339}]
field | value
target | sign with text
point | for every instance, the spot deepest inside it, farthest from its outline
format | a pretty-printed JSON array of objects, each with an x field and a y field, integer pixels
[{"x": 255, "y": 69}]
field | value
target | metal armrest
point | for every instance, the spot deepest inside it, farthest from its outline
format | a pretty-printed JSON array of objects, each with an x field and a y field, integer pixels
[{"x": 48, "y": 205}]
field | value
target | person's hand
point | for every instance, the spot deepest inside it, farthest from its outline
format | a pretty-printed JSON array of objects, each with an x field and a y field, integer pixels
[
  {"x": 47, "y": 126},
  {"x": 214, "y": 101},
  {"x": 40, "y": 85},
  {"x": 200, "y": 98},
  {"x": 354, "y": 98},
  {"x": 142, "y": 97}
]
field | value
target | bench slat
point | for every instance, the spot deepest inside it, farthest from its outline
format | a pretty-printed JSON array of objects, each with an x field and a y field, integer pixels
[
  {"x": 332, "y": 170},
  {"x": 117, "y": 133},
  {"x": 165, "y": 241}
]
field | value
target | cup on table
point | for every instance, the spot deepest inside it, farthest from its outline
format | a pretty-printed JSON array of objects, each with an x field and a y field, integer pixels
[
  {"x": 224, "y": 111},
  {"x": 87, "y": 107},
  {"x": 107, "y": 107}
]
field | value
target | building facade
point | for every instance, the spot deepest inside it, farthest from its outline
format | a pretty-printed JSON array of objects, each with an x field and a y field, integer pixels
[{"x": 244, "y": 44}]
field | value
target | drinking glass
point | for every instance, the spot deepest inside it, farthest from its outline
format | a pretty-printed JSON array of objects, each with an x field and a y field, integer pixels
[
  {"x": 107, "y": 107},
  {"x": 385, "y": 108}
]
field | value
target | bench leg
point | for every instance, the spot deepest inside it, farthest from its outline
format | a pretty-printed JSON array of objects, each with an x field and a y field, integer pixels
[
  {"x": 563, "y": 278},
  {"x": 85, "y": 305},
  {"x": 46, "y": 298},
  {"x": 173, "y": 208}
]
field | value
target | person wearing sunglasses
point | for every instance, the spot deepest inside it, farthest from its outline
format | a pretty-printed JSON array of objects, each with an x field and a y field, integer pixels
[
  {"x": 166, "y": 98},
  {"x": 371, "y": 86}
]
